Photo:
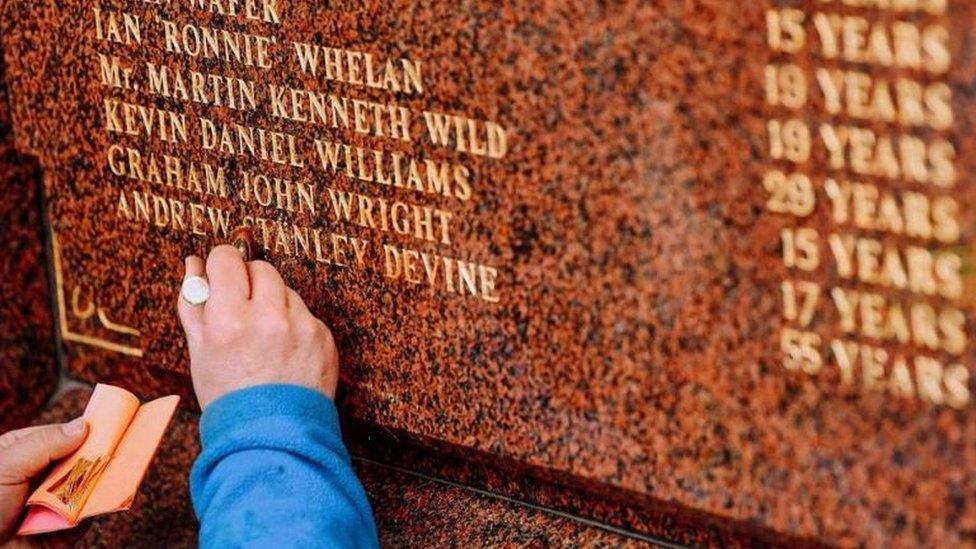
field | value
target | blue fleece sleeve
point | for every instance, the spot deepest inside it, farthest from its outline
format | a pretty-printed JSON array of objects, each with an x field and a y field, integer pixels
[{"x": 274, "y": 472}]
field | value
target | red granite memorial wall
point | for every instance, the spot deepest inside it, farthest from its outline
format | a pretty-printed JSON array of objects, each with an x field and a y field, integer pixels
[
  {"x": 696, "y": 271},
  {"x": 28, "y": 369}
]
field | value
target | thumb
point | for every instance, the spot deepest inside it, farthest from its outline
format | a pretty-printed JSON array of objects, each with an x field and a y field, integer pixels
[{"x": 25, "y": 453}]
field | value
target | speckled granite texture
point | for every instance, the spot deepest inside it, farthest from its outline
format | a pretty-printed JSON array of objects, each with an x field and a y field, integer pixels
[
  {"x": 633, "y": 351},
  {"x": 410, "y": 511},
  {"x": 627, "y": 510},
  {"x": 27, "y": 351}
]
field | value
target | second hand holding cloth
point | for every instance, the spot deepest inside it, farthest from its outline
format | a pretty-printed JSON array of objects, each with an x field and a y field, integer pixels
[{"x": 103, "y": 476}]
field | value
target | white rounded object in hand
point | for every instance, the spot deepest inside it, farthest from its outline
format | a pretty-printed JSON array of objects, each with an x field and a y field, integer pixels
[{"x": 195, "y": 290}]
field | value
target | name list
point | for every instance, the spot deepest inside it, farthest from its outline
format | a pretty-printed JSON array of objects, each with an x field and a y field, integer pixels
[{"x": 226, "y": 106}]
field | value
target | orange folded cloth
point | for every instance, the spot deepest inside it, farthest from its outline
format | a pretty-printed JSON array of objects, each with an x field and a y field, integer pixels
[{"x": 103, "y": 476}]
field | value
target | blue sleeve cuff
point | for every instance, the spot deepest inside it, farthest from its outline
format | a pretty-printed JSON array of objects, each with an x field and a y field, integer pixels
[
  {"x": 274, "y": 471},
  {"x": 230, "y": 411}
]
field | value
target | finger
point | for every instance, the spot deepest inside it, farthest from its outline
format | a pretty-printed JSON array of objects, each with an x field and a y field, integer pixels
[
  {"x": 227, "y": 274},
  {"x": 33, "y": 452},
  {"x": 296, "y": 303},
  {"x": 191, "y": 316},
  {"x": 11, "y": 437},
  {"x": 267, "y": 286}
]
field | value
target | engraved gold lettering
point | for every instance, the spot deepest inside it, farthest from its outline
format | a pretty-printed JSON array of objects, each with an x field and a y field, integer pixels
[
  {"x": 113, "y": 73},
  {"x": 923, "y": 377},
  {"x": 466, "y": 135},
  {"x": 170, "y": 171},
  {"x": 450, "y": 274},
  {"x": 120, "y": 27},
  {"x": 801, "y": 351},
  {"x": 254, "y": 10},
  {"x": 784, "y": 30},
  {"x": 911, "y": 267},
  {"x": 864, "y": 152},
  {"x": 204, "y": 88},
  {"x": 359, "y": 69},
  {"x": 237, "y": 139},
  {"x": 418, "y": 221},
  {"x": 898, "y": 44},
  {"x": 153, "y": 209},
  {"x": 225, "y": 46},
  {"x": 875, "y": 316},
  {"x": 801, "y": 248},
  {"x": 133, "y": 119},
  {"x": 390, "y": 168},
  {"x": 902, "y": 100},
  {"x": 277, "y": 192},
  {"x": 908, "y": 213}
]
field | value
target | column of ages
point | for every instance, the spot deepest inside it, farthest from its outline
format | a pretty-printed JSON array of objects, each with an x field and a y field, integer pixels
[{"x": 861, "y": 135}]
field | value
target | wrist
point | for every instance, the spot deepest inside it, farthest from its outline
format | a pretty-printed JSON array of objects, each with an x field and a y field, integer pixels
[{"x": 237, "y": 408}]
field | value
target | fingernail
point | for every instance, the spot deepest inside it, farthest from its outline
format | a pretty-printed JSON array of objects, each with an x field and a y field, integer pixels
[{"x": 75, "y": 427}]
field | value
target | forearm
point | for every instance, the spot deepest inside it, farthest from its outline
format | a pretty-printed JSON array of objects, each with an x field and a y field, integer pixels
[{"x": 274, "y": 470}]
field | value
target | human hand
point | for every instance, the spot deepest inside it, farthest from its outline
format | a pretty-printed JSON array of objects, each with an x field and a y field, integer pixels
[
  {"x": 253, "y": 330},
  {"x": 24, "y": 454}
]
